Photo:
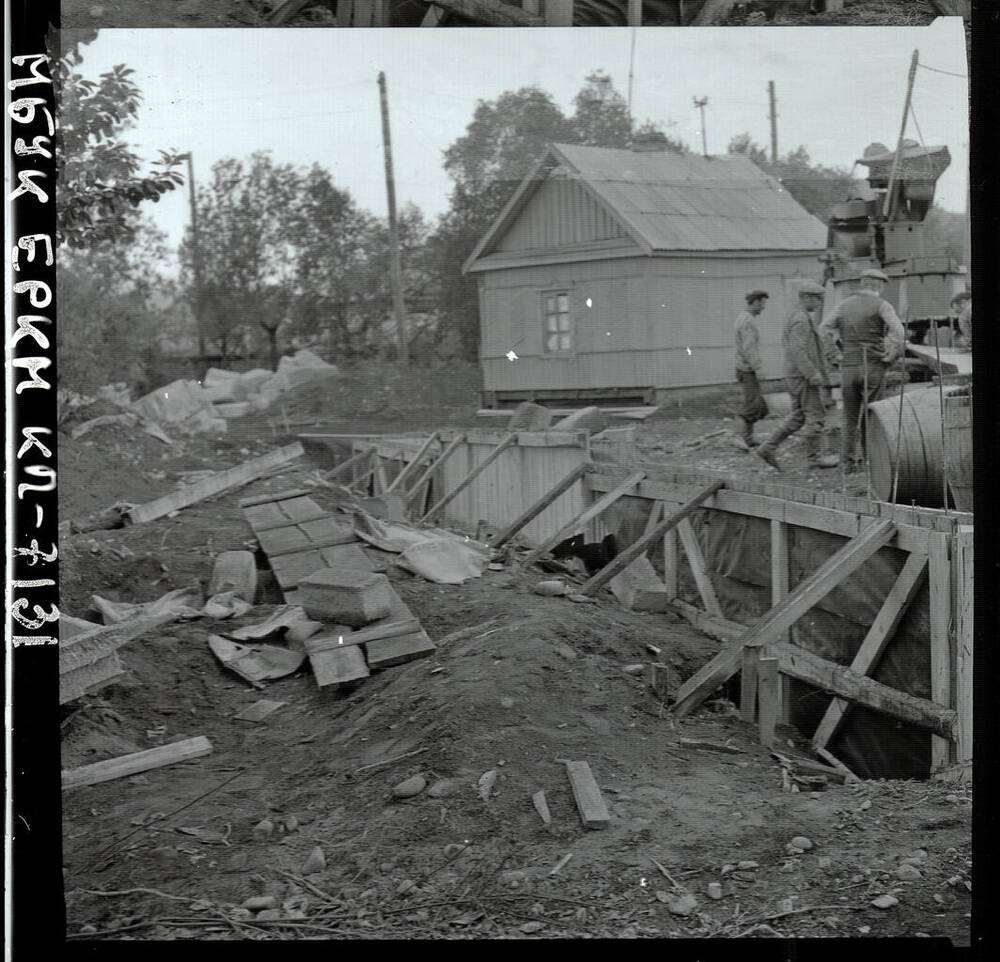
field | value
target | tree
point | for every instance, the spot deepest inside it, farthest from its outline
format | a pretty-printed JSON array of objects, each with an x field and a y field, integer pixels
[
  {"x": 815, "y": 187},
  {"x": 100, "y": 179},
  {"x": 601, "y": 117}
]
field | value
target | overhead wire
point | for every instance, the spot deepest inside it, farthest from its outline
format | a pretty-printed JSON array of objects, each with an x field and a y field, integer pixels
[{"x": 947, "y": 73}]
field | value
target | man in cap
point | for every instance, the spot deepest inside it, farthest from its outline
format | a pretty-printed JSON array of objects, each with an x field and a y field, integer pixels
[
  {"x": 749, "y": 366},
  {"x": 805, "y": 376},
  {"x": 871, "y": 339}
]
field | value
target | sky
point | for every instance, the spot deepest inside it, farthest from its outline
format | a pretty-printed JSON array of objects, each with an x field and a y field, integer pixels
[{"x": 312, "y": 95}]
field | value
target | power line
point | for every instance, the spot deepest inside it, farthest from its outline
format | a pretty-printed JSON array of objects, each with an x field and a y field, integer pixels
[{"x": 947, "y": 73}]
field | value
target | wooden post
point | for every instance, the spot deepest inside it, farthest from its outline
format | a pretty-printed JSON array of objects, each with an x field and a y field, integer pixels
[
  {"x": 426, "y": 476},
  {"x": 779, "y": 591},
  {"x": 939, "y": 577},
  {"x": 962, "y": 584},
  {"x": 509, "y": 440},
  {"x": 559, "y": 13},
  {"x": 748, "y": 684},
  {"x": 769, "y": 694},
  {"x": 670, "y": 559},
  {"x": 635, "y": 13},
  {"x": 698, "y": 567}
]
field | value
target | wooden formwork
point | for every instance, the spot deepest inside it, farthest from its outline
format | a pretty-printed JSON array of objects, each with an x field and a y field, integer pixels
[{"x": 520, "y": 469}]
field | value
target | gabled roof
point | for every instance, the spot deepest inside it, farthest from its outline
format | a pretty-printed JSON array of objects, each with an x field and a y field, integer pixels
[{"x": 672, "y": 202}]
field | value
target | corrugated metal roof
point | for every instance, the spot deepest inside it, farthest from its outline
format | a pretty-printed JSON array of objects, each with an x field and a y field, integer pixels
[{"x": 678, "y": 202}]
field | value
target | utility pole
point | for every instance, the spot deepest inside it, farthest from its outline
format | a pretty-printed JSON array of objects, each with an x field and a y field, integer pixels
[
  {"x": 631, "y": 65},
  {"x": 700, "y": 103},
  {"x": 902, "y": 130},
  {"x": 196, "y": 260},
  {"x": 395, "y": 270},
  {"x": 774, "y": 123}
]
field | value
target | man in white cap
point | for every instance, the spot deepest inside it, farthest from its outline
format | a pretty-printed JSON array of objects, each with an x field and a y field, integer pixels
[
  {"x": 871, "y": 339},
  {"x": 805, "y": 376},
  {"x": 749, "y": 365}
]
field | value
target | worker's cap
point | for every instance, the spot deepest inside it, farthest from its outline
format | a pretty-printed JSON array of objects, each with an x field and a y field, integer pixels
[
  {"x": 877, "y": 274},
  {"x": 756, "y": 295},
  {"x": 811, "y": 287}
]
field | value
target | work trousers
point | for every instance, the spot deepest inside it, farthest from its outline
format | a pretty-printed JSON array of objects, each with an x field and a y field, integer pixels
[
  {"x": 754, "y": 406},
  {"x": 808, "y": 411},
  {"x": 852, "y": 385}
]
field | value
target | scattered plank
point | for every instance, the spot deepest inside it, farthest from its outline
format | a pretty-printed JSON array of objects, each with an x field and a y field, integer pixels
[
  {"x": 259, "y": 710},
  {"x": 875, "y": 642},
  {"x": 587, "y": 794},
  {"x": 276, "y": 496},
  {"x": 836, "y": 568},
  {"x": 509, "y": 441},
  {"x": 542, "y": 807},
  {"x": 387, "y": 652},
  {"x": 295, "y": 538},
  {"x": 699, "y": 569},
  {"x": 217, "y": 484},
  {"x": 89, "y": 678},
  {"x": 642, "y": 544},
  {"x": 335, "y": 639},
  {"x": 837, "y": 765},
  {"x": 584, "y": 517},
  {"x": 113, "y": 768},
  {"x": 88, "y": 647},
  {"x": 502, "y": 537},
  {"x": 339, "y": 666}
]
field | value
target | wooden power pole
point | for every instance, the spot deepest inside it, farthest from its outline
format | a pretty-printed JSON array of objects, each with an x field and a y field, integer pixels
[
  {"x": 700, "y": 103},
  {"x": 196, "y": 265},
  {"x": 395, "y": 269},
  {"x": 774, "y": 123}
]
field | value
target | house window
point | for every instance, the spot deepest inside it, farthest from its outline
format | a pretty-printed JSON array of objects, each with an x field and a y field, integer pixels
[{"x": 558, "y": 326}]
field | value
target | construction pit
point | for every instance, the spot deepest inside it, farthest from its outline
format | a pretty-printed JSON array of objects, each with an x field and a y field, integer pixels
[{"x": 591, "y": 763}]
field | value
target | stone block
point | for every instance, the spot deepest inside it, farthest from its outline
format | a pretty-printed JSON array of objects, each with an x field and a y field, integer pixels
[{"x": 346, "y": 595}]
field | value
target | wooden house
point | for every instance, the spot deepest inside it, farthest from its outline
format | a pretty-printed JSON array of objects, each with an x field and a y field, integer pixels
[{"x": 617, "y": 275}]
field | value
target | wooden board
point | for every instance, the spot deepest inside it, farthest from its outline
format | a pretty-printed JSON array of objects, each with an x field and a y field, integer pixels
[
  {"x": 216, "y": 484},
  {"x": 333, "y": 639},
  {"x": 321, "y": 533},
  {"x": 386, "y": 652},
  {"x": 157, "y": 757},
  {"x": 507, "y": 442},
  {"x": 502, "y": 537},
  {"x": 89, "y": 678},
  {"x": 418, "y": 485},
  {"x": 939, "y": 579},
  {"x": 290, "y": 569},
  {"x": 589, "y": 800},
  {"x": 699, "y": 569},
  {"x": 88, "y": 647},
  {"x": 817, "y": 586},
  {"x": 769, "y": 698},
  {"x": 275, "y": 496},
  {"x": 338, "y": 666},
  {"x": 413, "y": 464}
]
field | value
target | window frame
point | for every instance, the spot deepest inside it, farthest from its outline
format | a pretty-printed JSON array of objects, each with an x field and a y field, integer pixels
[{"x": 569, "y": 331}]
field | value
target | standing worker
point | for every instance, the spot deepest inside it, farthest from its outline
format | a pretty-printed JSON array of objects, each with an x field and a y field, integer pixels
[
  {"x": 749, "y": 366},
  {"x": 961, "y": 304},
  {"x": 871, "y": 339},
  {"x": 805, "y": 376}
]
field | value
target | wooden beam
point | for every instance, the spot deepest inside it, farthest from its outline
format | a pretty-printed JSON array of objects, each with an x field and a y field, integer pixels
[
  {"x": 769, "y": 695},
  {"x": 351, "y": 462},
  {"x": 698, "y": 567},
  {"x": 587, "y": 794},
  {"x": 509, "y": 441},
  {"x": 216, "y": 484},
  {"x": 840, "y": 680},
  {"x": 102, "y": 640},
  {"x": 502, "y": 537},
  {"x": 492, "y": 14},
  {"x": 433, "y": 16},
  {"x": 655, "y": 514},
  {"x": 412, "y": 466},
  {"x": 408, "y": 496},
  {"x": 779, "y": 591},
  {"x": 875, "y": 642},
  {"x": 817, "y": 586},
  {"x": 639, "y": 547},
  {"x": 338, "y": 666},
  {"x": 584, "y": 517},
  {"x": 137, "y": 762},
  {"x": 962, "y": 585},
  {"x": 670, "y": 560},
  {"x": 748, "y": 684},
  {"x": 939, "y": 578},
  {"x": 259, "y": 499},
  {"x": 332, "y": 640}
]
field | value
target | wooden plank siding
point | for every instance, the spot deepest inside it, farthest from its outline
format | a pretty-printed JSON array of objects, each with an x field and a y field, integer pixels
[{"x": 661, "y": 321}]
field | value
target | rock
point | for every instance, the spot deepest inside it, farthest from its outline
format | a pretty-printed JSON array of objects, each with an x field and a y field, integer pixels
[
  {"x": 316, "y": 862},
  {"x": 682, "y": 904},
  {"x": 386, "y": 866},
  {"x": 824, "y": 861},
  {"x": 506, "y": 702},
  {"x": 582, "y": 599},
  {"x": 885, "y": 901},
  {"x": 487, "y": 782},
  {"x": 410, "y": 787},
  {"x": 907, "y": 872},
  {"x": 453, "y": 849},
  {"x": 746, "y": 865},
  {"x": 714, "y": 890},
  {"x": 291, "y": 823},
  {"x": 529, "y": 927},
  {"x": 727, "y": 868},
  {"x": 951, "y": 799},
  {"x": 406, "y": 887},
  {"x": 257, "y": 903},
  {"x": 444, "y": 788},
  {"x": 581, "y": 914},
  {"x": 550, "y": 588},
  {"x": 634, "y": 669},
  {"x": 264, "y": 829},
  {"x": 865, "y": 805},
  {"x": 269, "y": 915},
  {"x": 564, "y": 651},
  {"x": 629, "y": 932},
  {"x": 800, "y": 841}
]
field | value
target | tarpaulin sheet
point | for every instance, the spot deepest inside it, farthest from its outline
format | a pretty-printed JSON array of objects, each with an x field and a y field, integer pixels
[{"x": 737, "y": 552}]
